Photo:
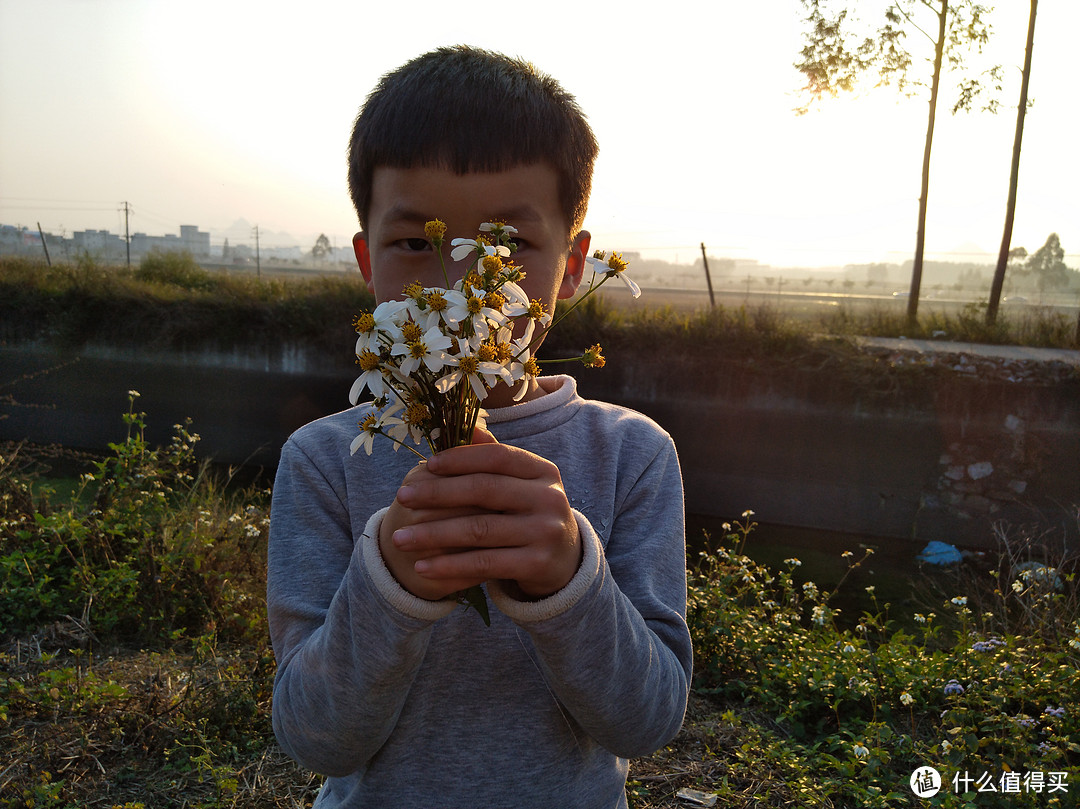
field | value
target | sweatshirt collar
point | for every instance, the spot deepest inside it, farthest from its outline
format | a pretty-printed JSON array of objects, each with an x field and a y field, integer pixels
[{"x": 559, "y": 402}]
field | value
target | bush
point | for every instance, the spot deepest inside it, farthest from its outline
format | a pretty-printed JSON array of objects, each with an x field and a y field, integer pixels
[
  {"x": 860, "y": 709},
  {"x": 151, "y": 546},
  {"x": 177, "y": 269}
]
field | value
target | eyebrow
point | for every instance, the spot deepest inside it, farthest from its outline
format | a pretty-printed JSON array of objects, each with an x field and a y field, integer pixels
[
  {"x": 404, "y": 214},
  {"x": 401, "y": 213},
  {"x": 525, "y": 212}
]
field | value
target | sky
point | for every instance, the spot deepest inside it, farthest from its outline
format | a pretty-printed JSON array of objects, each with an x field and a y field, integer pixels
[{"x": 206, "y": 112}]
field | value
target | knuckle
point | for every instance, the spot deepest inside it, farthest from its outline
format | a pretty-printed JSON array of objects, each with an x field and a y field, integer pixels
[
  {"x": 479, "y": 529},
  {"x": 488, "y": 487},
  {"x": 484, "y": 564}
]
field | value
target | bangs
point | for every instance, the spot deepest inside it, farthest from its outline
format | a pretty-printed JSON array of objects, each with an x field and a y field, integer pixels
[{"x": 472, "y": 111}]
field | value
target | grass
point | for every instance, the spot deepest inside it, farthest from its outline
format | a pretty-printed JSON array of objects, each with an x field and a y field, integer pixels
[
  {"x": 135, "y": 669},
  {"x": 134, "y": 663},
  {"x": 171, "y": 302}
]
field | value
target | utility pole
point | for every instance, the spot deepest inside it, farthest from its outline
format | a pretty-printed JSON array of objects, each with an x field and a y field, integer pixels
[
  {"x": 44, "y": 246},
  {"x": 708, "y": 278},
  {"x": 127, "y": 233},
  {"x": 258, "y": 265}
]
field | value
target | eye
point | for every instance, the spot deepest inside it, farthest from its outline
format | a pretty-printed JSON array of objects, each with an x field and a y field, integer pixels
[
  {"x": 415, "y": 244},
  {"x": 518, "y": 244}
]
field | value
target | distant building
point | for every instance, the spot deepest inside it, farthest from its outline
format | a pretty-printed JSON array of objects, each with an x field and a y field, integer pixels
[
  {"x": 194, "y": 241},
  {"x": 191, "y": 239},
  {"x": 98, "y": 243}
]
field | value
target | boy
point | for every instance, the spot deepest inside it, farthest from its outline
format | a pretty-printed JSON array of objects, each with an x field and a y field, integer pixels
[{"x": 569, "y": 512}]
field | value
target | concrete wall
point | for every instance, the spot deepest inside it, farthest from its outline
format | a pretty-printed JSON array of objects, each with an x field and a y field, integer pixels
[{"x": 944, "y": 460}]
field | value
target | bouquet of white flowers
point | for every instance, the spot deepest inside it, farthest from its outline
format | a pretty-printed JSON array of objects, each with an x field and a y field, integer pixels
[{"x": 430, "y": 358}]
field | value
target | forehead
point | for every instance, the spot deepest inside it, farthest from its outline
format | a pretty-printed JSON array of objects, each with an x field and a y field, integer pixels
[{"x": 525, "y": 195}]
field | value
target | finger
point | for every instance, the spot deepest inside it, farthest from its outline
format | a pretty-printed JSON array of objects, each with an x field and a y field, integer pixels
[
  {"x": 476, "y": 566},
  {"x": 493, "y": 457},
  {"x": 534, "y": 574},
  {"x": 414, "y": 516},
  {"x": 482, "y": 436},
  {"x": 482, "y": 530},
  {"x": 485, "y": 491}
]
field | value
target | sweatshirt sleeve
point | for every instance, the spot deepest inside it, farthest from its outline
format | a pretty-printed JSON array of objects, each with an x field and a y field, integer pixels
[
  {"x": 614, "y": 645},
  {"x": 347, "y": 652}
]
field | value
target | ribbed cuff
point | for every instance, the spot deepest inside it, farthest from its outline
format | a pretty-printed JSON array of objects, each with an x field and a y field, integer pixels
[
  {"x": 397, "y": 596},
  {"x": 523, "y": 612}
]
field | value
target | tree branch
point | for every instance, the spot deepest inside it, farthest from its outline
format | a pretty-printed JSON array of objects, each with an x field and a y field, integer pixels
[{"x": 914, "y": 24}]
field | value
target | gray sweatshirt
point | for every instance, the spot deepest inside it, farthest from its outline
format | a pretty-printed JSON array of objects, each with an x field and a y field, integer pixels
[{"x": 403, "y": 702}]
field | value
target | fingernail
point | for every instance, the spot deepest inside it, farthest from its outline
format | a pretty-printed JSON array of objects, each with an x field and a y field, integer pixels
[
  {"x": 405, "y": 492},
  {"x": 402, "y": 536},
  {"x": 422, "y": 566}
]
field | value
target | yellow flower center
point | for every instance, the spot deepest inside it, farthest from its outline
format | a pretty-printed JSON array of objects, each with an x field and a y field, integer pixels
[
  {"x": 367, "y": 360},
  {"x": 492, "y": 264},
  {"x": 469, "y": 365},
  {"x": 593, "y": 358},
  {"x": 364, "y": 323},
  {"x": 537, "y": 309},
  {"x": 494, "y": 300},
  {"x": 474, "y": 305},
  {"x": 416, "y": 413},
  {"x": 532, "y": 367},
  {"x": 617, "y": 263},
  {"x": 414, "y": 290},
  {"x": 435, "y": 230},
  {"x": 411, "y": 332},
  {"x": 417, "y": 350},
  {"x": 504, "y": 352},
  {"x": 487, "y": 352},
  {"x": 436, "y": 300},
  {"x": 370, "y": 423}
]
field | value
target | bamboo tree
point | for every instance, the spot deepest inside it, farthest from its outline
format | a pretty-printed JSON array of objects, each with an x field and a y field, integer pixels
[
  {"x": 834, "y": 59},
  {"x": 1010, "y": 207}
]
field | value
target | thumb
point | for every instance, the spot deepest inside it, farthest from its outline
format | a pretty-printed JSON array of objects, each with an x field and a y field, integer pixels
[{"x": 482, "y": 436}]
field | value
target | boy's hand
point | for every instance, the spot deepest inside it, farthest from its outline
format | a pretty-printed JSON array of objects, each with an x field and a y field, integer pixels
[{"x": 479, "y": 512}]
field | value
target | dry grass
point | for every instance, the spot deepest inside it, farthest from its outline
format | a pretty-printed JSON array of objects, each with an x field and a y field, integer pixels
[{"x": 135, "y": 726}]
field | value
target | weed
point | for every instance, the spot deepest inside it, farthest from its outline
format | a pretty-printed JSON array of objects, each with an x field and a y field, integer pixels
[
  {"x": 850, "y": 713},
  {"x": 790, "y": 706},
  {"x": 150, "y": 544}
]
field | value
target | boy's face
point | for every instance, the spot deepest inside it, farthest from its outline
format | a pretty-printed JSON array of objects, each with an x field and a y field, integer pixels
[{"x": 393, "y": 251}]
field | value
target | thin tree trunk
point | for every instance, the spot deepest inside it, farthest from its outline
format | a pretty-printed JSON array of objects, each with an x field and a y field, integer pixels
[
  {"x": 920, "y": 237},
  {"x": 1010, "y": 207}
]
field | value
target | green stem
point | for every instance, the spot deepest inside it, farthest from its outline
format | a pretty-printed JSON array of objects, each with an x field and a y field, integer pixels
[
  {"x": 556, "y": 321},
  {"x": 442, "y": 263}
]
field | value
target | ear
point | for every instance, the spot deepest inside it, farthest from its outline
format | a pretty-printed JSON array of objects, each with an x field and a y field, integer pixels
[
  {"x": 363, "y": 257},
  {"x": 575, "y": 264}
]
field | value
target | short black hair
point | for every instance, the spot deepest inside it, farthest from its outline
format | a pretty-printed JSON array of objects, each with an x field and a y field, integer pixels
[{"x": 471, "y": 110}]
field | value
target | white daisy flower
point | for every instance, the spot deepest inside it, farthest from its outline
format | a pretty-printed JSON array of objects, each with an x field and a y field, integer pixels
[
  {"x": 372, "y": 377},
  {"x": 475, "y": 371},
  {"x": 430, "y": 350},
  {"x": 467, "y": 247},
  {"x": 603, "y": 264}
]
